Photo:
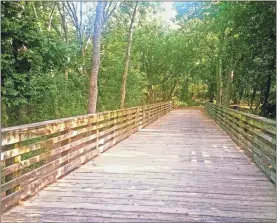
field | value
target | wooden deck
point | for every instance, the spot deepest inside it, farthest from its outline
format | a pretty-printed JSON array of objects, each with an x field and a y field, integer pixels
[{"x": 180, "y": 168}]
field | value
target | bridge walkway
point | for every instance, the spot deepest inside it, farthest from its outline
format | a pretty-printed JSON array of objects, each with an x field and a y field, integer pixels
[{"x": 180, "y": 168}]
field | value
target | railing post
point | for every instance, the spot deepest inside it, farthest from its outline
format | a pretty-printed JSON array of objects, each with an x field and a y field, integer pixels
[
  {"x": 118, "y": 120},
  {"x": 137, "y": 122},
  {"x": 68, "y": 141},
  {"x": 97, "y": 134},
  {"x": 156, "y": 112},
  {"x": 159, "y": 114},
  {"x": 159, "y": 111},
  {"x": 15, "y": 174},
  {"x": 149, "y": 114},
  {"x": 143, "y": 114},
  {"x": 114, "y": 124}
]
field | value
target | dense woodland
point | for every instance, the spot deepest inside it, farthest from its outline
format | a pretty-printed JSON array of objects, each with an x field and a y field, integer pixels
[{"x": 62, "y": 59}]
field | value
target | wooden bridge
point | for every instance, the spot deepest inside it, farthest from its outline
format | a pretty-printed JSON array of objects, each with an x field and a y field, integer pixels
[{"x": 179, "y": 167}]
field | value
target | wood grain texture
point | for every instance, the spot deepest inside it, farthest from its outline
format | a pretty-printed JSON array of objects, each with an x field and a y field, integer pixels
[
  {"x": 31, "y": 161},
  {"x": 180, "y": 168},
  {"x": 256, "y": 135}
]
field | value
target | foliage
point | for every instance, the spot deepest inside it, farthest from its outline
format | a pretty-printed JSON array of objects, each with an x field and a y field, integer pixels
[{"x": 46, "y": 57}]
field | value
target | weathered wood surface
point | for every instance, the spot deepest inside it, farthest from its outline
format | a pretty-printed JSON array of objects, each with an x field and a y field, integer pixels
[
  {"x": 35, "y": 155},
  {"x": 180, "y": 168},
  {"x": 256, "y": 135}
]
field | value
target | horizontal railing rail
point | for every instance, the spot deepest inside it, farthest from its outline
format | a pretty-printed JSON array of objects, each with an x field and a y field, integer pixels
[
  {"x": 37, "y": 154},
  {"x": 255, "y": 135}
]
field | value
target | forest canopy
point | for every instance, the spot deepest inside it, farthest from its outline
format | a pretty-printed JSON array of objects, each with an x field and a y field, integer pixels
[{"x": 62, "y": 59}]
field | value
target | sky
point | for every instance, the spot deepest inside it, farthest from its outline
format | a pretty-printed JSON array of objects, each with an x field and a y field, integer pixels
[
  {"x": 166, "y": 16},
  {"x": 170, "y": 12}
]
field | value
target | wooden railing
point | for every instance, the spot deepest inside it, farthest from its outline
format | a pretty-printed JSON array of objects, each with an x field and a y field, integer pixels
[
  {"x": 35, "y": 155},
  {"x": 255, "y": 135}
]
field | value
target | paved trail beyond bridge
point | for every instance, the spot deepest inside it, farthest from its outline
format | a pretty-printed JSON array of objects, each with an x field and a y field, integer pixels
[{"x": 180, "y": 168}]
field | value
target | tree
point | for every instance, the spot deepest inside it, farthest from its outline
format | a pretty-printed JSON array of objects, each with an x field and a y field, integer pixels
[
  {"x": 127, "y": 56},
  {"x": 101, "y": 17},
  {"x": 219, "y": 49},
  {"x": 93, "y": 91}
]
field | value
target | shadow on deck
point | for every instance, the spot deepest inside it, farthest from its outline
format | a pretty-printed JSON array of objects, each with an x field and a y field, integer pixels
[{"x": 180, "y": 168}]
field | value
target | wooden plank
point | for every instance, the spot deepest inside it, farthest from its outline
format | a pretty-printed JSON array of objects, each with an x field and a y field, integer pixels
[
  {"x": 45, "y": 180},
  {"x": 235, "y": 134},
  {"x": 16, "y": 134},
  {"x": 151, "y": 176},
  {"x": 111, "y": 128},
  {"x": 43, "y": 156},
  {"x": 50, "y": 142},
  {"x": 54, "y": 152},
  {"x": 12, "y": 175},
  {"x": 24, "y": 179},
  {"x": 256, "y": 143},
  {"x": 251, "y": 130},
  {"x": 49, "y": 154},
  {"x": 244, "y": 133},
  {"x": 265, "y": 124}
]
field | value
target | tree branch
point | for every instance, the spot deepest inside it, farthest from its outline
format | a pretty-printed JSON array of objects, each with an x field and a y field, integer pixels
[
  {"x": 63, "y": 24},
  {"x": 35, "y": 11},
  {"x": 108, "y": 14},
  {"x": 73, "y": 14},
  {"x": 51, "y": 16}
]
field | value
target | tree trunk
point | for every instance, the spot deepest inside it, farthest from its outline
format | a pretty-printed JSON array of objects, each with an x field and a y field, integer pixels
[
  {"x": 172, "y": 90},
  {"x": 240, "y": 95},
  {"x": 266, "y": 95},
  {"x": 51, "y": 17},
  {"x": 235, "y": 98},
  {"x": 261, "y": 98},
  {"x": 211, "y": 88},
  {"x": 66, "y": 74},
  {"x": 150, "y": 94},
  {"x": 186, "y": 90},
  {"x": 253, "y": 97},
  {"x": 93, "y": 90},
  {"x": 219, "y": 82},
  {"x": 228, "y": 89},
  {"x": 63, "y": 22},
  {"x": 127, "y": 58},
  {"x": 34, "y": 9}
]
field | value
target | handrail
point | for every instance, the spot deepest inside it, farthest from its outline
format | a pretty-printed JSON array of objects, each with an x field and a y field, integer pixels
[
  {"x": 255, "y": 135},
  {"x": 37, "y": 154}
]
